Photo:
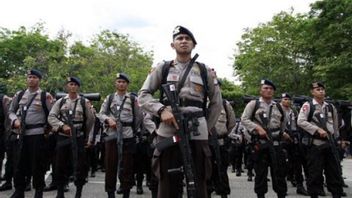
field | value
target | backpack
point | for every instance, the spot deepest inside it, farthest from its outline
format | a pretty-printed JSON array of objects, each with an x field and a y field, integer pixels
[
  {"x": 203, "y": 74},
  {"x": 133, "y": 97}
]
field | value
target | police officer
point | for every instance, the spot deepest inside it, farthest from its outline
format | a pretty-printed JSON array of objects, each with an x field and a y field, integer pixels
[
  {"x": 120, "y": 108},
  {"x": 4, "y": 106},
  {"x": 296, "y": 158},
  {"x": 192, "y": 96},
  {"x": 320, "y": 155},
  {"x": 75, "y": 108},
  {"x": 28, "y": 115},
  {"x": 224, "y": 125},
  {"x": 264, "y": 119}
]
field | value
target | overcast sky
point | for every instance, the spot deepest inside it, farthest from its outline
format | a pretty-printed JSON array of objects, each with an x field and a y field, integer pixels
[{"x": 216, "y": 25}]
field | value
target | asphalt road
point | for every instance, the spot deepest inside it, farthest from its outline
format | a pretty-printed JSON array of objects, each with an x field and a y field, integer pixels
[{"x": 240, "y": 187}]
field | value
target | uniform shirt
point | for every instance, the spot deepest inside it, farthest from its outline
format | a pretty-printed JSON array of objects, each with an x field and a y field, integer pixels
[
  {"x": 193, "y": 89},
  {"x": 274, "y": 123},
  {"x": 116, "y": 112},
  {"x": 225, "y": 122},
  {"x": 291, "y": 117},
  {"x": 58, "y": 116},
  {"x": 35, "y": 112},
  {"x": 311, "y": 127}
]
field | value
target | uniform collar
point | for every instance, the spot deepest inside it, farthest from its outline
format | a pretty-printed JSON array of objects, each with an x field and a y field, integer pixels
[
  {"x": 315, "y": 102},
  {"x": 262, "y": 100}
]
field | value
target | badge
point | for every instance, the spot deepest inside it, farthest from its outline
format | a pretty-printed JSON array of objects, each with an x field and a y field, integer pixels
[
  {"x": 118, "y": 107},
  {"x": 198, "y": 88}
]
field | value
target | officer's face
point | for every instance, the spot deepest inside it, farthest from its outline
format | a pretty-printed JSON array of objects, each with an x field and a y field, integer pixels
[
  {"x": 121, "y": 85},
  {"x": 266, "y": 91},
  {"x": 32, "y": 81},
  {"x": 286, "y": 102},
  {"x": 183, "y": 44},
  {"x": 72, "y": 87},
  {"x": 318, "y": 92}
]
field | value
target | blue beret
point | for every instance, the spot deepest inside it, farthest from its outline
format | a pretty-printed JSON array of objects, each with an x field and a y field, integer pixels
[
  {"x": 123, "y": 76},
  {"x": 268, "y": 82},
  {"x": 75, "y": 80},
  {"x": 285, "y": 95},
  {"x": 182, "y": 30},
  {"x": 316, "y": 85},
  {"x": 35, "y": 72}
]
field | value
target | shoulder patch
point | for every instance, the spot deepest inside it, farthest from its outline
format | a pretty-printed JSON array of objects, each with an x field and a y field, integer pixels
[{"x": 305, "y": 107}]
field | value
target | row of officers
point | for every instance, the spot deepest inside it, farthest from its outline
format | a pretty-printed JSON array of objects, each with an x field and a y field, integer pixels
[{"x": 268, "y": 125}]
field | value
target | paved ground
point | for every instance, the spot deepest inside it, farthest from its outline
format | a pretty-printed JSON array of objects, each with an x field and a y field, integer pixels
[{"x": 240, "y": 187}]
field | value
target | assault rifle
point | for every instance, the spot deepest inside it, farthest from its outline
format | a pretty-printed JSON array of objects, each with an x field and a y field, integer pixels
[
  {"x": 322, "y": 124},
  {"x": 272, "y": 152},
  {"x": 70, "y": 116},
  {"x": 183, "y": 136}
]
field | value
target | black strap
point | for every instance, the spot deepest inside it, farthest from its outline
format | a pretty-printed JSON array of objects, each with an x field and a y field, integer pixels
[
  {"x": 281, "y": 111},
  {"x": 164, "y": 73},
  {"x": 27, "y": 106},
  {"x": 2, "y": 112},
  {"x": 189, "y": 67},
  {"x": 256, "y": 107},
  {"x": 43, "y": 99},
  {"x": 226, "y": 111}
]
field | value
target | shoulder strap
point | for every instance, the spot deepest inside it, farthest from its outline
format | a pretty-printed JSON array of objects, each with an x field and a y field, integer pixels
[
  {"x": 311, "y": 111},
  {"x": 226, "y": 111},
  {"x": 43, "y": 99},
  {"x": 204, "y": 76},
  {"x": 281, "y": 111},
  {"x": 256, "y": 107},
  {"x": 164, "y": 74},
  {"x": 83, "y": 104},
  {"x": 2, "y": 115},
  {"x": 133, "y": 97},
  {"x": 111, "y": 97},
  {"x": 19, "y": 97}
]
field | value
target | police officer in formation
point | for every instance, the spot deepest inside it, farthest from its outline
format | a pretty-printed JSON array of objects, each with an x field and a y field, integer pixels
[
  {"x": 219, "y": 181},
  {"x": 265, "y": 120},
  {"x": 296, "y": 157},
  {"x": 192, "y": 96},
  {"x": 28, "y": 116},
  {"x": 319, "y": 119},
  {"x": 120, "y": 108},
  {"x": 69, "y": 110}
]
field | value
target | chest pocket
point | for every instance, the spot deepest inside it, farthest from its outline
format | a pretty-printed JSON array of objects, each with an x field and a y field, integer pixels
[
  {"x": 276, "y": 118},
  {"x": 126, "y": 111},
  {"x": 196, "y": 85},
  {"x": 173, "y": 75}
]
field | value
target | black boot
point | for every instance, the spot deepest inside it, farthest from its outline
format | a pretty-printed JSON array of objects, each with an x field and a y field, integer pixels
[
  {"x": 111, "y": 194},
  {"x": 60, "y": 192},
  {"x": 6, "y": 186},
  {"x": 38, "y": 193},
  {"x": 18, "y": 194},
  {"x": 301, "y": 190},
  {"x": 119, "y": 190},
  {"x": 139, "y": 189},
  {"x": 78, "y": 191},
  {"x": 126, "y": 194},
  {"x": 51, "y": 187}
]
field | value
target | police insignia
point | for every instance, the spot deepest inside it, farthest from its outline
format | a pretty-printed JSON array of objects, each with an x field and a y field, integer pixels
[
  {"x": 198, "y": 88},
  {"x": 176, "y": 30}
]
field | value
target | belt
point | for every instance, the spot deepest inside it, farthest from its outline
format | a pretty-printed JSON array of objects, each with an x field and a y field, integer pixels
[
  {"x": 127, "y": 124},
  {"x": 34, "y": 126},
  {"x": 197, "y": 114},
  {"x": 186, "y": 103}
]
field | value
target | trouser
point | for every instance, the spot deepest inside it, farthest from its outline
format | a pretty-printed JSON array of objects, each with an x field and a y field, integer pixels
[
  {"x": 142, "y": 162},
  {"x": 30, "y": 161},
  {"x": 219, "y": 182},
  {"x": 319, "y": 159},
  {"x": 10, "y": 160},
  {"x": 236, "y": 155},
  {"x": 263, "y": 160},
  {"x": 111, "y": 165},
  {"x": 171, "y": 184},
  {"x": 93, "y": 158},
  {"x": 64, "y": 162}
]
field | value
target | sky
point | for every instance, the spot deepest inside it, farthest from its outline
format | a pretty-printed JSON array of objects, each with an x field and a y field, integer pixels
[{"x": 216, "y": 25}]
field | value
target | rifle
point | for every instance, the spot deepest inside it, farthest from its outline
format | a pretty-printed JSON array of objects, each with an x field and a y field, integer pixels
[
  {"x": 119, "y": 140},
  {"x": 272, "y": 152},
  {"x": 213, "y": 142},
  {"x": 182, "y": 134},
  {"x": 23, "y": 112},
  {"x": 70, "y": 116},
  {"x": 322, "y": 124}
]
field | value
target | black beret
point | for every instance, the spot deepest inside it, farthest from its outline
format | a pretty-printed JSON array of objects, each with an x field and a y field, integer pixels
[
  {"x": 285, "y": 95},
  {"x": 182, "y": 30},
  {"x": 122, "y": 76},
  {"x": 35, "y": 72},
  {"x": 316, "y": 85},
  {"x": 267, "y": 82},
  {"x": 75, "y": 80}
]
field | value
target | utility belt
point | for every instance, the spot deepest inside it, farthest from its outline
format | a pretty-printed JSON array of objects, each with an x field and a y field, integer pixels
[
  {"x": 35, "y": 126},
  {"x": 186, "y": 103},
  {"x": 309, "y": 140}
]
